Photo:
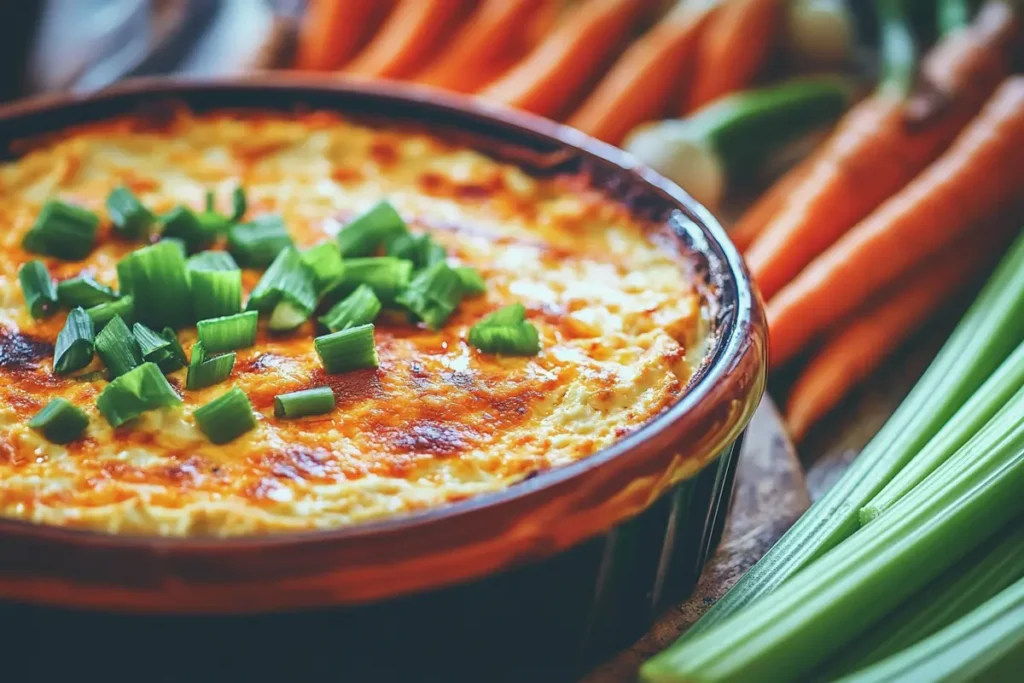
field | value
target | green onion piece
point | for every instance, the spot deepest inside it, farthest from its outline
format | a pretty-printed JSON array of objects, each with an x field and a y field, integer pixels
[
  {"x": 433, "y": 295},
  {"x": 287, "y": 290},
  {"x": 205, "y": 372},
  {"x": 325, "y": 262},
  {"x": 303, "y": 403},
  {"x": 59, "y": 421},
  {"x": 229, "y": 332},
  {"x": 74, "y": 347},
  {"x": 104, "y": 313},
  {"x": 85, "y": 292},
  {"x": 176, "y": 358},
  {"x": 195, "y": 232},
  {"x": 118, "y": 348},
  {"x": 226, "y": 417},
  {"x": 359, "y": 308},
  {"x": 131, "y": 219},
  {"x": 38, "y": 288},
  {"x": 130, "y": 395},
  {"x": 257, "y": 243},
  {"x": 216, "y": 285},
  {"x": 422, "y": 250},
  {"x": 62, "y": 230},
  {"x": 511, "y": 340},
  {"x": 211, "y": 200},
  {"x": 156, "y": 348},
  {"x": 345, "y": 350},
  {"x": 238, "y": 204},
  {"x": 364, "y": 235},
  {"x": 472, "y": 283},
  {"x": 159, "y": 281},
  {"x": 386, "y": 275},
  {"x": 513, "y": 314}
]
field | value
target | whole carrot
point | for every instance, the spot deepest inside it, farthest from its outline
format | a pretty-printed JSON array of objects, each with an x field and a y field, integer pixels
[
  {"x": 645, "y": 78},
  {"x": 406, "y": 40},
  {"x": 557, "y": 71},
  {"x": 734, "y": 49},
  {"x": 759, "y": 214},
  {"x": 982, "y": 172},
  {"x": 332, "y": 31},
  {"x": 864, "y": 342}
]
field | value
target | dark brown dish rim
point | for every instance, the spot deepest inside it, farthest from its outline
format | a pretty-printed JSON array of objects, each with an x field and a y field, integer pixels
[{"x": 481, "y": 535}]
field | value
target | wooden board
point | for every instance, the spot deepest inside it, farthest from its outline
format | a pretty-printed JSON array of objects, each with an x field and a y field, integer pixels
[{"x": 770, "y": 495}]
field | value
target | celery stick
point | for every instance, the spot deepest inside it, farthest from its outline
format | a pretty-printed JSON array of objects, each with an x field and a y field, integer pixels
[
  {"x": 988, "y": 332},
  {"x": 988, "y": 640},
  {"x": 968, "y": 584},
  {"x": 813, "y": 615},
  {"x": 992, "y": 395}
]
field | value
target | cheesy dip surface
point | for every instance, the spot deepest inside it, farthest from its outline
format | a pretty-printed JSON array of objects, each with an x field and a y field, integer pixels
[{"x": 619, "y": 320}]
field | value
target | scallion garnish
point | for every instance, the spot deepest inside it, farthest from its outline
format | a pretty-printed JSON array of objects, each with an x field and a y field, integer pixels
[
  {"x": 325, "y": 261},
  {"x": 118, "y": 348},
  {"x": 513, "y": 314},
  {"x": 62, "y": 230},
  {"x": 131, "y": 219},
  {"x": 238, "y": 204},
  {"x": 226, "y": 417},
  {"x": 158, "y": 279},
  {"x": 303, "y": 403},
  {"x": 364, "y": 235},
  {"x": 506, "y": 331},
  {"x": 158, "y": 348},
  {"x": 385, "y": 275},
  {"x": 133, "y": 393},
  {"x": 472, "y": 283},
  {"x": 74, "y": 347},
  {"x": 205, "y": 372},
  {"x": 216, "y": 284},
  {"x": 257, "y": 243},
  {"x": 422, "y": 250},
  {"x": 358, "y": 308},
  {"x": 433, "y": 295},
  {"x": 59, "y": 421},
  {"x": 176, "y": 358},
  {"x": 287, "y": 291},
  {"x": 228, "y": 332},
  {"x": 104, "y": 313},
  {"x": 38, "y": 288},
  {"x": 85, "y": 292},
  {"x": 195, "y": 232},
  {"x": 349, "y": 349}
]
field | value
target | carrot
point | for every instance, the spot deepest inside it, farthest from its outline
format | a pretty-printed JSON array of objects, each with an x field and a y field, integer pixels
[
  {"x": 557, "y": 71},
  {"x": 981, "y": 173},
  {"x": 864, "y": 342},
  {"x": 875, "y": 151},
  {"x": 734, "y": 49},
  {"x": 407, "y": 38},
  {"x": 643, "y": 80},
  {"x": 767, "y": 206},
  {"x": 332, "y": 31},
  {"x": 491, "y": 40}
]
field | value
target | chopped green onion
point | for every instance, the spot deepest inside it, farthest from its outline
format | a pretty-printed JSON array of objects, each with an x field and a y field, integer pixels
[
  {"x": 104, "y": 313},
  {"x": 433, "y": 295},
  {"x": 229, "y": 332},
  {"x": 118, "y": 348},
  {"x": 506, "y": 331},
  {"x": 131, "y": 219},
  {"x": 303, "y": 403},
  {"x": 38, "y": 288},
  {"x": 472, "y": 283},
  {"x": 287, "y": 290},
  {"x": 238, "y": 204},
  {"x": 212, "y": 260},
  {"x": 351, "y": 349},
  {"x": 176, "y": 358},
  {"x": 364, "y": 235},
  {"x": 216, "y": 285},
  {"x": 386, "y": 275},
  {"x": 226, "y": 417},
  {"x": 513, "y": 314},
  {"x": 358, "y": 308},
  {"x": 130, "y": 395},
  {"x": 85, "y": 292},
  {"x": 257, "y": 243},
  {"x": 62, "y": 230},
  {"x": 59, "y": 421},
  {"x": 161, "y": 349},
  {"x": 211, "y": 200},
  {"x": 325, "y": 261},
  {"x": 422, "y": 250},
  {"x": 158, "y": 279},
  {"x": 74, "y": 347},
  {"x": 205, "y": 372},
  {"x": 195, "y": 232}
]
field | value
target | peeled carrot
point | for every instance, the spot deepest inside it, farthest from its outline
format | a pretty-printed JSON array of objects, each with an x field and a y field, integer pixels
[
  {"x": 875, "y": 151},
  {"x": 734, "y": 49},
  {"x": 767, "y": 206},
  {"x": 333, "y": 30},
  {"x": 981, "y": 173},
  {"x": 644, "y": 79},
  {"x": 408, "y": 37},
  {"x": 866, "y": 340},
  {"x": 491, "y": 40},
  {"x": 557, "y": 71}
]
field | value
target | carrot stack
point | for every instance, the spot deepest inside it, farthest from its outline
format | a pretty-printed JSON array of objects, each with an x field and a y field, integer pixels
[{"x": 333, "y": 30}]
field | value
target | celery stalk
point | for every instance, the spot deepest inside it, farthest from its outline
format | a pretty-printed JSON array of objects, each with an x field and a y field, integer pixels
[
  {"x": 989, "y": 331},
  {"x": 953, "y": 15},
  {"x": 974, "y": 648},
  {"x": 987, "y": 400},
  {"x": 813, "y": 615},
  {"x": 967, "y": 585}
]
